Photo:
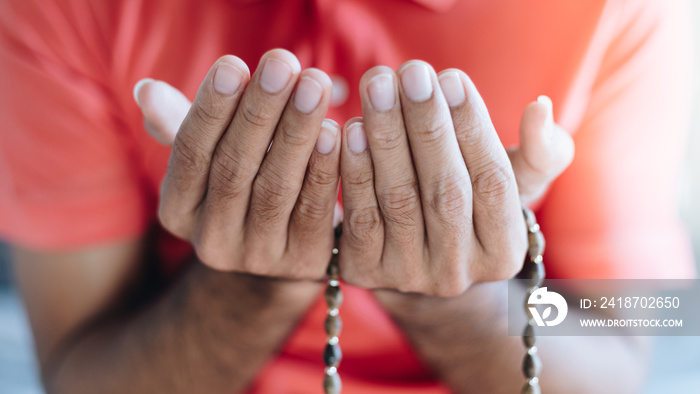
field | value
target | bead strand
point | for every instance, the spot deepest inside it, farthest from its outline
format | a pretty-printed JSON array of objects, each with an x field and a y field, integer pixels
[
  {"x": 333, "y": 324},
  {"x": 533, "y": 272}
]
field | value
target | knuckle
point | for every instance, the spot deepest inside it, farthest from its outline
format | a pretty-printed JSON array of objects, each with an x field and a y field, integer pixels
[
  {"x": 434, "y": 131},
  {"x": 269, "y": 185},
  {"x": 270, "y": 195},
  {"x": 450, "y": 204},
  {"x": 470, "y": 131},
  {"x": 359, "y": 181},
  {"x": 226, "y": 182},
  {"x": 312, "y": 205},
  {"x": 228, "y": 173},
  {"x": 451, "y": 196},
  {"x": 320, "y": 178},
  {"x": 492, "y": 183},
  {"x": 401, "y": 203},
  {"x": 388, "y": 138},
  {"x": 252, "y": 116},
  {"x": 312, "y": 208},
  {"x": 294, "y": 136},
  {"x": 207, "y": 116},
  {"x": 363, "y": 224},
  {"x": 186, "y": 154}
]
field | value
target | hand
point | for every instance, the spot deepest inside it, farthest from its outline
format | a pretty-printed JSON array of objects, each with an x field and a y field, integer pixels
[
  {"x": 545, "y": 151},
  {"x": 243, "y": 206},
  {"x": 433, "y": 205}
]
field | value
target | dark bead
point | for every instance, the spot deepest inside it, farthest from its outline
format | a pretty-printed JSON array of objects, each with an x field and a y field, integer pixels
[
  {"x": 529, "y": 335},
  {"x": 527, "y": 307},
  {"x": 332, "y": 384},
  {"x": 532, "y": 365},
  {"x": 531, "y": 388},
  {"x": 529, "y": 218},
  {"x": 533, "y": 273},
  {"x": 334, "y": 297},
  {"x": 332, "y": 355},
  {"x": 333, "y": 325},
  {"x": 536, "y": 244},
  {"x": 338, "y": 231},
  {"x": 333, "y": 270}
]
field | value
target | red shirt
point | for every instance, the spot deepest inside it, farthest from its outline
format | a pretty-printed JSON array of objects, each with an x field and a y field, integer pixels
[{"x": 77, "y": 167}]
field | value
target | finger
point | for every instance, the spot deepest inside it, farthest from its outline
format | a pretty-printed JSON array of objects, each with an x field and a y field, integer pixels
[
  {"x": 279, "y": 180},
  {"x": 363, "y": 228},
  {"x": 242, "y": 148},
  {"x": 163, "y": 107},
  {"x": 445, "y": 188},
  {"x": 312, "y": 221},
  {"x": 238, "y": 156},
  {"x": 185, "y": 182},
  {"x": 498, "y": 221},
  {"x": 395, "y": 181},
  {"x": 545, "y": 151}
]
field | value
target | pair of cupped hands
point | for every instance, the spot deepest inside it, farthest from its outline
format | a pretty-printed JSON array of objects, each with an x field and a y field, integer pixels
[{"x": 431, "y": 198}]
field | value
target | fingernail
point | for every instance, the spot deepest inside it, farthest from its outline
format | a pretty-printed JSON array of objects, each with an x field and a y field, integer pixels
[
  {"x": 381, "y": 92},
  {"x": 307, "y": 95},
  {"x": 416, "y": 82},
  {"x": 227, "y": 79},
  {"x": 549, "y": 122},
  {"x": 546, "y": 101},
  {"x": 452, "y": 88},
  {"x": 327, "y": 138},
  {"x": 137, "y": 88},
  {"x": 357, "y": 139},
  {"x": 275, "y": 75}
]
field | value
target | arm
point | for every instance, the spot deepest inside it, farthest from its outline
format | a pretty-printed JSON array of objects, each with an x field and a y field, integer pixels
[
  {"x": 209, "y": 332},
  {"x": 464, "y": 337},
  {"x": 610, "y": 215},
  {"x": 465, "y": 340},
  {"x": 244, "y": 208}
]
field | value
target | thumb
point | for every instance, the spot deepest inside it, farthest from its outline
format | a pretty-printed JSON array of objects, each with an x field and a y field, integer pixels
[
  {"x": 163, "y": 107},
  {"x": 545, "y": 150}
]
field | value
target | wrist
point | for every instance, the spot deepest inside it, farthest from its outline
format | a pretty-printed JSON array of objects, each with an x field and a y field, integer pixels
[
  {"x": 257, "y": 292},
  {"x": 480, "y": 299}
]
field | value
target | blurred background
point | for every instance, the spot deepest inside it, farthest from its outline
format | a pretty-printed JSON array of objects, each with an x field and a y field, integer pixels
[{"x": 676, "y": 360}]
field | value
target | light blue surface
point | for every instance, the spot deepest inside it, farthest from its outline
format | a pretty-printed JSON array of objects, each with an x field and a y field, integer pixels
[
  {"x": 17, "y": 365},
  {"x": 675, "y": 367}
]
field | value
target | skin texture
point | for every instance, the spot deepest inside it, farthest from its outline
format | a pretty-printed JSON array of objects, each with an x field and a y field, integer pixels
[
  {"x": 465, "y": 341},
  {"x": 211, "y": 331},
  {"x": 414, "y": 169},
  {"x": 413, "y": 238},
  {"x": 245, "y": 208}
]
